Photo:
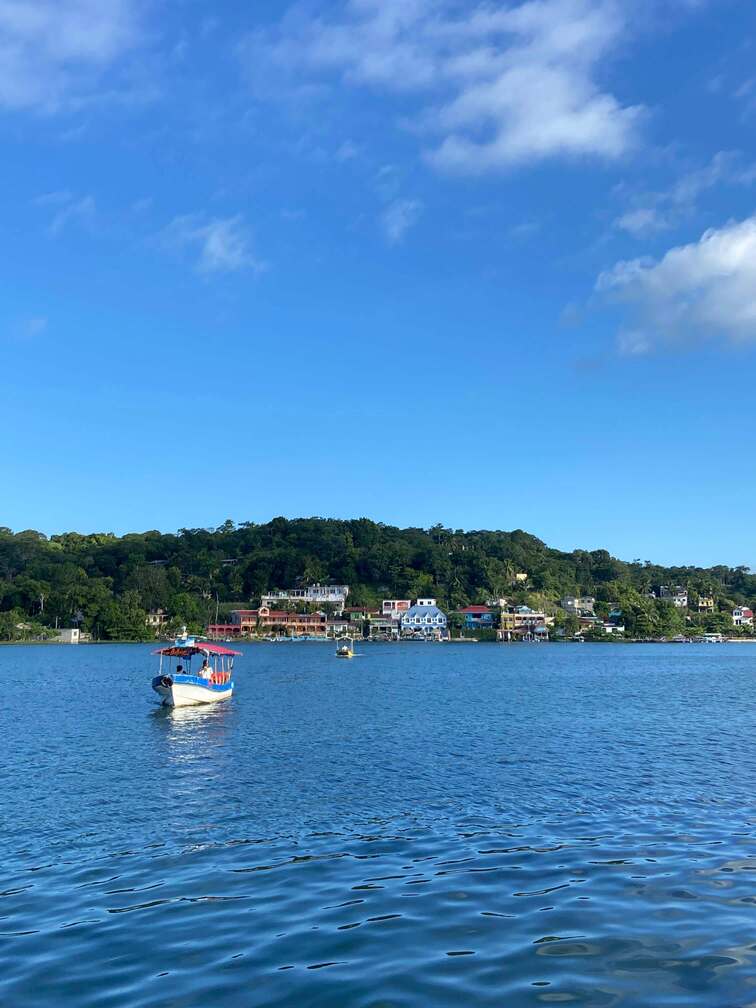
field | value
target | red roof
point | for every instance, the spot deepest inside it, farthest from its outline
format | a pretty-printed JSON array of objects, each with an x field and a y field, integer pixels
[{"x": 475, "y": 609}]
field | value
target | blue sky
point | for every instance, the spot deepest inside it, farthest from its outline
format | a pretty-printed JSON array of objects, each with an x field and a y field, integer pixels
[{"x": 488, "y": 264}]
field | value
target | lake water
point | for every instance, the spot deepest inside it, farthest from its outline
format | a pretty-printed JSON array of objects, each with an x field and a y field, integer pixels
[{"x": 427, "y": 825}]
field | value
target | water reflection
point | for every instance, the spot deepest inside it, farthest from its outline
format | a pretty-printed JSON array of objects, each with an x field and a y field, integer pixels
[{"x": 192, "y": 734}]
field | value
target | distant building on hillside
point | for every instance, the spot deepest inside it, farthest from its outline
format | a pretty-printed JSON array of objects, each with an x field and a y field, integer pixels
[
  {"x": 424, "y": 619},
  {"x": 156, "y": 619},
  {"x": 705, "y": 603},
  {"x": 316, "y": 594},
  {"x": 742, "y": 616},
  {"x": 579, "y": 605},
  {"x": 677, "y": 596}
]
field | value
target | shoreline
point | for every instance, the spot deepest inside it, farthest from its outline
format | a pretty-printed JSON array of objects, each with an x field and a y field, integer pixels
[{"x": 365, "y": 640}]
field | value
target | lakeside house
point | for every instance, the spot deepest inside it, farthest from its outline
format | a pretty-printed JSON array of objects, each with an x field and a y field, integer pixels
[
  {"x": 395, "y": 608},
  {"x": 358, "y": 615},
  {"x": 250, "y": 622},
  {"x": 383, "y": 627},
  {"x": 613, "y": 628},
  {"x": 478, "y": 617},
  {"x": 705, "y": 604},
  {"x": 337, "y": 626},
  {"x": 244, "y": 620},
  {"x": 742, "y": 616},
  {"x": 71, "y": 635},
  {"x": 524, "y": 623},
  {"x": 424, "y": 619}
]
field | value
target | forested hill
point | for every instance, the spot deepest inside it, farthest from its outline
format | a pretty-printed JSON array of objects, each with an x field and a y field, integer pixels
[{"x": 106, "y": 583}]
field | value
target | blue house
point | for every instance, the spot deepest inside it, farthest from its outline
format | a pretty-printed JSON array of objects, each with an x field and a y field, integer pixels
[
  {"x": 424, "y": 619},
  {"x": 477, "y": 617}
]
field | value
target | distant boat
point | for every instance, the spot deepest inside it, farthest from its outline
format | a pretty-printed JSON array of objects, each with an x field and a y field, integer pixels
[
  {"x": 346, "y": 650},
  {"x": 180, "y": 687}
]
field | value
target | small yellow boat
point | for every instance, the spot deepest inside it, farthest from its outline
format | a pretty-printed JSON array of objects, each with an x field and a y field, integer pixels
[{"x": 346, "y": 650}]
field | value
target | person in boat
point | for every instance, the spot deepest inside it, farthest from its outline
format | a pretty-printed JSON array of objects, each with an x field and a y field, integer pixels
[
  {"x": 179, "y": 670},
  {"x": 206, "y": 672}
]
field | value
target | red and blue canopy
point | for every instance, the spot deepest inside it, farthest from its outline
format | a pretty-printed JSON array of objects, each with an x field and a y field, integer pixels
[{"x": 199, "y": 647}]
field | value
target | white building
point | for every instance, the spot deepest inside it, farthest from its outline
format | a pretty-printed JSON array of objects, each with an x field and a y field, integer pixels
[
  {"x": 742, "y": 616},
  {"x": 425, "y": 619},
  {"x": 579, "y": 605},
  {"x": 316, "y": 594},
  {"x": 677, "y": 596},
  {"x": 614, "y": 628},
  {"x": 393, "y": 608},
  {"x": 68, "y": 636}
]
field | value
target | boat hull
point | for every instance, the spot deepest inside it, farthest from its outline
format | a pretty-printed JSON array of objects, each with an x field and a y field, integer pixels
[{"x": 187, "y": 691}]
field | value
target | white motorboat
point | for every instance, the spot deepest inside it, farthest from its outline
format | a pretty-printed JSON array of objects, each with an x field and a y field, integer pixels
[{"x": 180, "y": 686}]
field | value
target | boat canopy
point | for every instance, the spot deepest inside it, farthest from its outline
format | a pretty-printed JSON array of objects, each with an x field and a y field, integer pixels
[{"x": 196, "y": 647}]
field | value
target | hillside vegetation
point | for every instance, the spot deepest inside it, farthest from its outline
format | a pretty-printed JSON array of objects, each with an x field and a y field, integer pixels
[{"x": 105, "y": 583}]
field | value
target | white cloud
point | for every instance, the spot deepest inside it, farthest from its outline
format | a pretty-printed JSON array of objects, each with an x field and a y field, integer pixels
[
  {"x": 660, "y": 211},
  {"x": 700, "y": 291},
  {"x": 222, "y": 243},
  {"x": 398, "y": 217},
  {"x": 499, "y": 84},
  {"x": 52, "y": 49}
]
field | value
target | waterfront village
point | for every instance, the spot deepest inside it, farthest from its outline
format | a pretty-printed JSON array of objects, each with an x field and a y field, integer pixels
[{"x": 321, "y": 611}]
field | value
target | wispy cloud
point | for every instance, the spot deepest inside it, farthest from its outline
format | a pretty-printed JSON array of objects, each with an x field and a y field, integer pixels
[
  {"x": 705, "y": 290},
  {"x": 221, "y": 243},
  {"x": 642, "y": 221},
  {"x": 654, "y": 212},
  {"x": 35, "y": 326},
  {"x": 68, "y": 209},
  {"x": 53, "y": 50},
  {"x": 26, "y": 329},
  {"x": 398, "y": 217},
  {"x": 347, "y": 151},
  {"x": 499, "y": 85}
]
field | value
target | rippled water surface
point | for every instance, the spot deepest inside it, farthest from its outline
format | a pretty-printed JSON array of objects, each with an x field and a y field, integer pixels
[{"x": 427, "y": 825}]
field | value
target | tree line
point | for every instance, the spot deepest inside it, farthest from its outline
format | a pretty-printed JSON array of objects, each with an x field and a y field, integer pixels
[{"x": 105, "y": 584}]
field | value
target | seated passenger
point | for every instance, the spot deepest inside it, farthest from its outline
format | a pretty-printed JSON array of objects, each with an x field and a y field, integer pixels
[{"x": 206, "y": 672}]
